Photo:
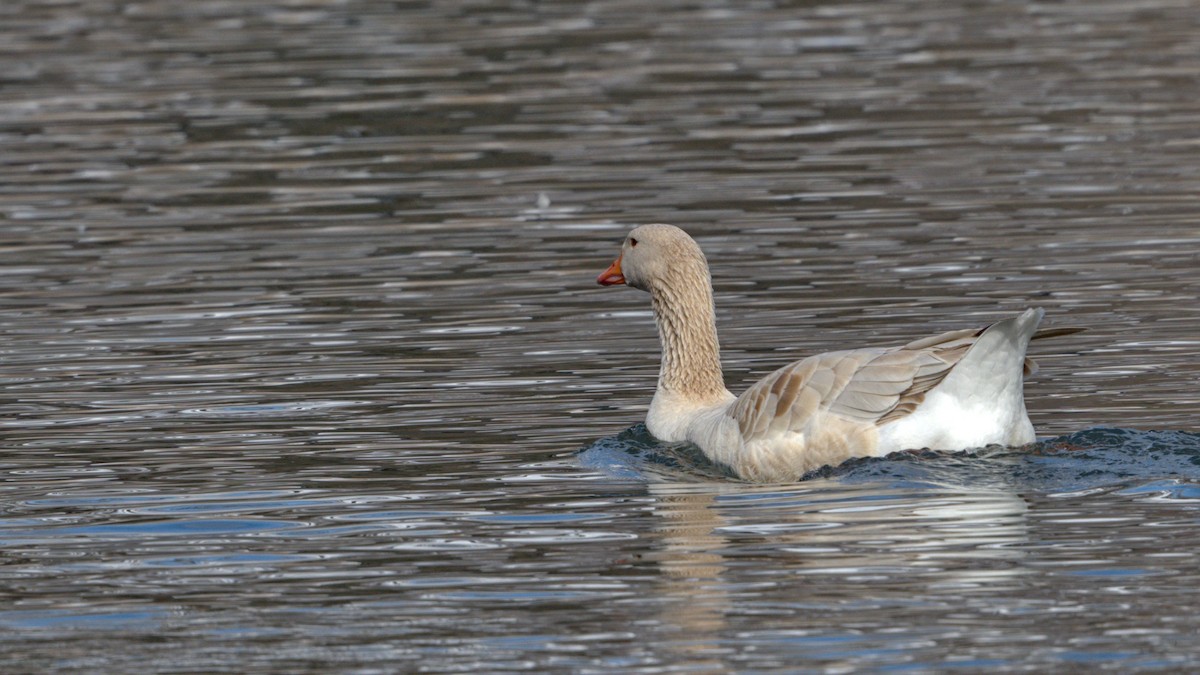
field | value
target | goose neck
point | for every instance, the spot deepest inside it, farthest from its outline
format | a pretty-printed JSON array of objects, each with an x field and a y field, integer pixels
[{"x": 691, "y": 355}]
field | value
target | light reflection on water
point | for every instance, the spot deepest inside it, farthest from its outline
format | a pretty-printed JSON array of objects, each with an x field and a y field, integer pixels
[{"x": 301, "y": 338}]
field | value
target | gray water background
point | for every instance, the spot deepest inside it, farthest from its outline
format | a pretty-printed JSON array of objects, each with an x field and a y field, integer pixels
[{"x": 301, "y": 338}]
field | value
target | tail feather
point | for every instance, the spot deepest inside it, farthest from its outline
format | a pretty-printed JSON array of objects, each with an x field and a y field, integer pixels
[
  {"x": 1031, "y": 366},
  {"x": 981, "y": 400},
  {"x": 1044, "y": 333},
  {"x": 993, "y": 367}
]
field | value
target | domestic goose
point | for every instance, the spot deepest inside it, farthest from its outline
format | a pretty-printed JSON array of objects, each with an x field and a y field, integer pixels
[{"x": 957, "y": 390}]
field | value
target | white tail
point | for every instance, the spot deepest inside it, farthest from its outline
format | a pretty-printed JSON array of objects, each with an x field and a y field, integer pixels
[{"x": 982, "y": 400}]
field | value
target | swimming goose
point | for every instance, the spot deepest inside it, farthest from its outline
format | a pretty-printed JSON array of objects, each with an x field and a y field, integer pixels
[{"x": 957, "y": 390}]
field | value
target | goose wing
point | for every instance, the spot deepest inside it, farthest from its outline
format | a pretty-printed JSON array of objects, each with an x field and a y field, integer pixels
[{"x": 871, "y": 386}]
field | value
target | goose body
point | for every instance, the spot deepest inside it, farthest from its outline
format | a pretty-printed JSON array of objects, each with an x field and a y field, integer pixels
[{"x": 957, "y": 390}]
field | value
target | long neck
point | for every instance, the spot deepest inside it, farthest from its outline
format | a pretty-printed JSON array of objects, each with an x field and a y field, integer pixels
[{"x": 691, "y": 355}]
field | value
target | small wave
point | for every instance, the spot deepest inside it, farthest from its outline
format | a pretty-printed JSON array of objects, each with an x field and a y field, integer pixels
[{"x": 1103, "y": 457}]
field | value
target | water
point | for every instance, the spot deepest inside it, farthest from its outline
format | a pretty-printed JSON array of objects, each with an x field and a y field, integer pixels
[{"x": 304, "y": 368}]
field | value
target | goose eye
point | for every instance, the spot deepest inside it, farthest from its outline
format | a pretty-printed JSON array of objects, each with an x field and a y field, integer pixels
[{"x": 632, "y": 241}]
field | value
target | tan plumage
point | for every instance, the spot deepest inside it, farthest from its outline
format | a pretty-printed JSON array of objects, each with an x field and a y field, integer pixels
[{"x": 954, "y": 390}]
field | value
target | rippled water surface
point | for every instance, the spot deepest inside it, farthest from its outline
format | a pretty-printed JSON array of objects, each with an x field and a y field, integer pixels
[{"x": 304, "y": 368}]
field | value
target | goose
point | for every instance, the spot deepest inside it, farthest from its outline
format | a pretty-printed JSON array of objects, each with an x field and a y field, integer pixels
[{"x": 954, "y": 391}]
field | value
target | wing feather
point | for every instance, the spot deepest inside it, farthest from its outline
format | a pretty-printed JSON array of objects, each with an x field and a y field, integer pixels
[{"x": 873, "y": 386}]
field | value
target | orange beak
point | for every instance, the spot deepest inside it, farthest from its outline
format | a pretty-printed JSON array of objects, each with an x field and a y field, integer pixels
[{"x": 611, "y": 276}]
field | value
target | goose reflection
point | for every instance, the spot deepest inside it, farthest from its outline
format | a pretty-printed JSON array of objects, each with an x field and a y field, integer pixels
[{"x": 831, "y": 551}]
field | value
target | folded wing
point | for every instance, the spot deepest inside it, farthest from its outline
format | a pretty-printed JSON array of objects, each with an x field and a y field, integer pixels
[{"x": 873, "y": 386}]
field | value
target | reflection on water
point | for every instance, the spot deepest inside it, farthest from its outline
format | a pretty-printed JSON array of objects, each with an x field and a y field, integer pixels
[
  {"x": 301, "y": 339},
  {"x": 834, "y": 569},
  {"x": 799, "y": 568}
]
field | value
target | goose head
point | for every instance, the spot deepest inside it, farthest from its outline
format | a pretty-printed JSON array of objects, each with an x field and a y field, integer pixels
[{"x": 653, "y": 256}]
